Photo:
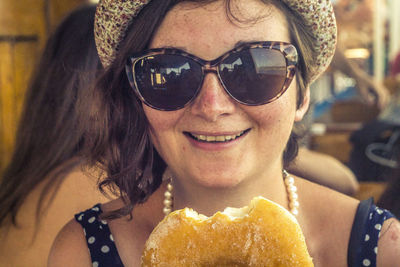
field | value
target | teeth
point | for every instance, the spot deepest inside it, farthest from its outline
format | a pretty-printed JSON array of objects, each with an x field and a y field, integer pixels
[
  {"x": 218, "y": 138},
  {"x": 210, "y": 138}
]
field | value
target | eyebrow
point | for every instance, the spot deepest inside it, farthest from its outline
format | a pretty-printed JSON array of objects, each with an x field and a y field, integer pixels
[
  {"x": 241, "y": 42},
  {"x": 175, "y": 47},
  {"x": 237, "y": 44}
]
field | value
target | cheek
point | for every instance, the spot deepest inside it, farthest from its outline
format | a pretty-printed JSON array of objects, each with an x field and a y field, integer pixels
[
  {"x": 277, "y": 114},
  {"x": 162, "y": 123},
  {"x": 160, "y": 120},
  {"x": 275, "y": 120}
]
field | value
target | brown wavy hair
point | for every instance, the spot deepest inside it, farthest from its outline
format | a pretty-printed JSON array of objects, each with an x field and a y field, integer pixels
[
  {"x": 51, "y": 130},
  {"x": 119, "y": 137}
]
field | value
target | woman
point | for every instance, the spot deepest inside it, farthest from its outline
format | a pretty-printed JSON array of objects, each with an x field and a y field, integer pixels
[
  {"x": 224, "y": 132},
  {"x": 43, "y": 186}
]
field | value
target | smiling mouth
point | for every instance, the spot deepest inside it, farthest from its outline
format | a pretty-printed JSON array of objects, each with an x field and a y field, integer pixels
[{"x": 216, "y": 138}]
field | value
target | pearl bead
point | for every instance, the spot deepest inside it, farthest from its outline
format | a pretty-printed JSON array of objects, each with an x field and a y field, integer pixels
[
  {"x": 289, "y": 180},
  {"x": 291, "y": 190},
  {"x": 293, "y": 196},
  {"x": 292, "y": 193},
  {"x": 168, "y": 194},
  {"x": 295, "y": 212},
  {"x": 294, "y": 205},
  {"x": 167, "y": 202},
  {"x": 170, "y": 187},
  {"x": 167, "y": 210}
]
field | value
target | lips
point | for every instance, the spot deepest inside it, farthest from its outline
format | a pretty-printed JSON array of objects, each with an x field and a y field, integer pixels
[{"x": 216, "y": 138}]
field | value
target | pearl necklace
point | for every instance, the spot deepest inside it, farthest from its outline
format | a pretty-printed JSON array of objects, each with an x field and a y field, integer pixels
[{"x": 291, "y": 190}]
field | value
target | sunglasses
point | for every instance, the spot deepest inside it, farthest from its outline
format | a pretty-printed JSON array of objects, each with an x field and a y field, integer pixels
[{"x": 253, "y": 74}]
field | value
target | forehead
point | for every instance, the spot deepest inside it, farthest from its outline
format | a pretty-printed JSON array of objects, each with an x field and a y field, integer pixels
[{"x": 207, "y": 30}]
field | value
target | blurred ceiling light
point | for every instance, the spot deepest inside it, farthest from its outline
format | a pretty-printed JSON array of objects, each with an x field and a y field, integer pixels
[
  {"x": 362, "y": 53},
  {"x": 94, "y": 1}
]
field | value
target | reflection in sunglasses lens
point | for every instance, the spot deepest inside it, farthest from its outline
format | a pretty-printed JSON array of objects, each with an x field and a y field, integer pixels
[
  {"x": 167, "y": 81},
  {"x": 254, "y": 76}
]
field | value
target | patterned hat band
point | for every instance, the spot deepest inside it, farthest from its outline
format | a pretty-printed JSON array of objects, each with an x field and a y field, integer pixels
[{"x": 113, "y": 18}]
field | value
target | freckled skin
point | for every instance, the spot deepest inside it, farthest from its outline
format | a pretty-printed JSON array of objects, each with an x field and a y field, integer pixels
[
  {"x": 206, "y": 32},
  {"x": 394, "y": 236}
]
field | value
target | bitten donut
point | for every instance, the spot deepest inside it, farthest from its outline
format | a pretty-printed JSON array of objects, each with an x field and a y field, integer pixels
[{"x": 261, "y": 234}]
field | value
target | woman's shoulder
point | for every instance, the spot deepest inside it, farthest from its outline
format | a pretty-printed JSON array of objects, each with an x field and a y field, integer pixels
[
  {"x": 330, "y": 218},
  {"x": 319, "y": 200},
  {"x": 29, "y": 243},
  {"x": 389, "y": 244},
  {"x": 69, "y": 247},
  {"x": 326, "y": 209},
  {"x": 326, "y": 218},
  {"x": 86, "y": 239}
]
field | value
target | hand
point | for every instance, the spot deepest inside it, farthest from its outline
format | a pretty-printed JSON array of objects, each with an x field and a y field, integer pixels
[{"x": 373, "y": 93}]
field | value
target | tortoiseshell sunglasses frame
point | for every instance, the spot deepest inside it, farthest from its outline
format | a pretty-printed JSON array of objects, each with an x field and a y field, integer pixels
[{"x": 288, "y": 50}]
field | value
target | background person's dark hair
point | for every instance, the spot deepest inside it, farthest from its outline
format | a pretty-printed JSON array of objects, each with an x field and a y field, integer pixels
[
  {"x": 51, "y": 128},
  {"x": 120, "y": 136}
]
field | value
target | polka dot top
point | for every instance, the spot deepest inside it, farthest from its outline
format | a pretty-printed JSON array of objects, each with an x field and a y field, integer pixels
[
  {"x": 367, "y": 225},
  {"x": 363, "y": 245},
  {"x": 98, "y": 238}
]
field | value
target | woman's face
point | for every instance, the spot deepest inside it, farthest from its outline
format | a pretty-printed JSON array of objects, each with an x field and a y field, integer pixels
[{"x": 205, "y": 31}]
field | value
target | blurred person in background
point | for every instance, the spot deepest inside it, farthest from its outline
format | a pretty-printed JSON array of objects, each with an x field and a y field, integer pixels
[
  {"x": 390, "y": 199},
  {"x": 391, "y": 196},
  {"x": 311, "y": 164},
  {"x": 395, "y": 67},
  {"x": 325, "y": 170},
  {"x": 45, "y": 184},
  {"x": 371, "y": 92},
  {"x": 354, "y": 34}
]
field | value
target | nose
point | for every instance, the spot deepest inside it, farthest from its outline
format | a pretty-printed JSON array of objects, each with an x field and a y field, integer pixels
[{"x": 212, "y": 101}]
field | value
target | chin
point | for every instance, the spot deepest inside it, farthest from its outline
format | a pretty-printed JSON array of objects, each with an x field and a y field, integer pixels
[{"x": 218, "y": 181}]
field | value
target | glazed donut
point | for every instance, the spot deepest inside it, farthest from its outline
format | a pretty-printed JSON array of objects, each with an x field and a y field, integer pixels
[{"x": 261, "y": 234}]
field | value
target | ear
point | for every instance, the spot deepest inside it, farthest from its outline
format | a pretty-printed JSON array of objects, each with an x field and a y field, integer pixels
[{"x": 304, "y": 106}]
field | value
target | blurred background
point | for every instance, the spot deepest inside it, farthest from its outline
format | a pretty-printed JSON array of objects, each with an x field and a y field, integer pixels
[
  {"x": 362, "y": 135},
  {"x": 344, "y": 123},
  {"x": 24, "y": 28}
]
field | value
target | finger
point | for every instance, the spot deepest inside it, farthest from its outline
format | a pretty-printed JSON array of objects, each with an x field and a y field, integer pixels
[
  {"x": 383, "y": 98},
  {"x": 368, "y": 96}
]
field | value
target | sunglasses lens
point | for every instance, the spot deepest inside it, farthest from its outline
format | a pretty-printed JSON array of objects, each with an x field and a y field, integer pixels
[
  {"x": 167, "y": 82},
  {"x": 254, "y": 76}
]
